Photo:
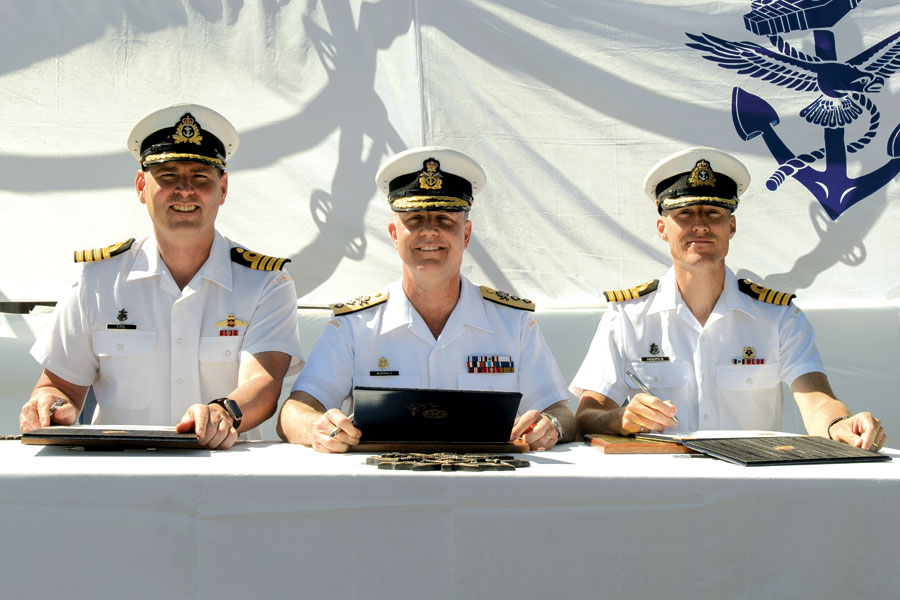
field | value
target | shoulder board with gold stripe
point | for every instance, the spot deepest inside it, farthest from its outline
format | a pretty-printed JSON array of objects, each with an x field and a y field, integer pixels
[
  {"x": 764, "y": 294},
  {"x": 257, "y": 261},
  {"x": 506, "y": 299},
  {"x": 103, "y": 253},
  {"x": 631, "y": 293},
  {"x": 361, "y": 303}
]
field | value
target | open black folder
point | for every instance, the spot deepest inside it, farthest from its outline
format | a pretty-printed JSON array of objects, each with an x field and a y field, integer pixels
[
  {"x": 782, "y": 450},
  {"x": 393, "y": 417},
  {"x": 111, "y": 437}
]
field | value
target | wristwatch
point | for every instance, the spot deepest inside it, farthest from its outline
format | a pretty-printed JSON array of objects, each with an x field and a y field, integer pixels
[
  {"x": 559, "y": 429},
  {"x": 232, "y": 408}
]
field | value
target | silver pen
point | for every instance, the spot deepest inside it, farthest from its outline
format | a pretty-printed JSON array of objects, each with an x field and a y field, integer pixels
[
  {"x": 637, "y": 381},
  {"x": 338, "y": 429},
  {"x": 56, "y": 405}
]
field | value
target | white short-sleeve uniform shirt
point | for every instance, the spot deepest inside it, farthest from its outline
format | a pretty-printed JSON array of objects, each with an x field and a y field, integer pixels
[
  {"x": 724, "y": 375},
  {"x": 151, "y": 350},
  {"x": 389, "y": 345}
]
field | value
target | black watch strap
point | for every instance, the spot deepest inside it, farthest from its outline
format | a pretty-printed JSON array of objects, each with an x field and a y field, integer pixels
[{"x": 232, "y": 408}]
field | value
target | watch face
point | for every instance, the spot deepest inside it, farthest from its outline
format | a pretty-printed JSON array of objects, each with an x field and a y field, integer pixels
[{"x": 233, "y": 408}]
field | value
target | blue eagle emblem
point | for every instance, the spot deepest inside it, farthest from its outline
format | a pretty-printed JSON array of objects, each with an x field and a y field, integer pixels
[{"x": 844, "y": 89}]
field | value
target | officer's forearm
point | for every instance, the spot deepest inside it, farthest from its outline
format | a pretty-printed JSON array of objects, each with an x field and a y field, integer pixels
[{"x": 259, "y": 385}]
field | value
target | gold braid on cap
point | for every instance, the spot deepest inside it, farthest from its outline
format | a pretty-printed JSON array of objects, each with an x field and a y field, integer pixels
[
  {"x": 424, "y": 202},
  {"x": 166, "y": 156},
  {"x": 670, "y": 204}
]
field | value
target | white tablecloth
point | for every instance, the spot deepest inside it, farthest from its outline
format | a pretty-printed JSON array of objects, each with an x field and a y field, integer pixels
[{"x": 273, "y": 520}]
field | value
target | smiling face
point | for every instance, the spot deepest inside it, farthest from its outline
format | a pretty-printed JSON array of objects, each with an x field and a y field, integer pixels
[
  {"x": 430, "y": 243},
  {"x": 698, "y": 235},
  {"x": 182, "y": 197}
]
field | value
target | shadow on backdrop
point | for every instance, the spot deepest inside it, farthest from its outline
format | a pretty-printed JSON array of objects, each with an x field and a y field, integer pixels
[{"x": 350, "y": 105}]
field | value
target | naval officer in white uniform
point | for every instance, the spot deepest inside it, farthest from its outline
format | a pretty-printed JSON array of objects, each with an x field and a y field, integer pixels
[
  {"x": 429, "y": 329},
  {"x": 712, "y": 350},
  {"x": 184, "y": 327}
]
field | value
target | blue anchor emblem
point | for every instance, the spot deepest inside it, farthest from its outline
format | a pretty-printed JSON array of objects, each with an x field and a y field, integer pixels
[{"x": 844, "y": 89}]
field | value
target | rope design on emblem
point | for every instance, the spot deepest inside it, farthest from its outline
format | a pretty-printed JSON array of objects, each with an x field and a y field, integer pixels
[
  {"x": 799, "y": 162},
  {"x": 873, "y": 123},
  {"x": 791, "y": 167}
]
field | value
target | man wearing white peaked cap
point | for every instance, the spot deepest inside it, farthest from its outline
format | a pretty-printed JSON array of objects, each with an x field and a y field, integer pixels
[
  {"x": 713, "y": 350},
  {"x": 184, "y": 327},
  {"x": 428, "y": 329}
]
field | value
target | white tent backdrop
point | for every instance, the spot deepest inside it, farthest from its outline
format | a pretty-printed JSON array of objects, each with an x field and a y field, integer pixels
[{"x": 565, "y": 103}]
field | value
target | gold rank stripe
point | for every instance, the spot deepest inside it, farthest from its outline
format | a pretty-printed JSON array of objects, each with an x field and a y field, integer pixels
[
  {"x": 764, "y": 294},
  {"x": 268, "y": 263},
  {"x": 89, "y": 255},
  {"x": 631, "y": 293},
  {"x": 257, "y": 261},
  {"x": 95, "y": 254}
]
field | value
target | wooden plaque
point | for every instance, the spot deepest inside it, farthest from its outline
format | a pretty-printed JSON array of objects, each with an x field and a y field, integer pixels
[{"x": 618, "y": 444}]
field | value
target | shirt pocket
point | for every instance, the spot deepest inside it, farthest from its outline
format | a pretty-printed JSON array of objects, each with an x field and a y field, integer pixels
[
  {"x": 219, "y": 365},
  {"x": 737, "y": 378},
  {"x": 219, "y": 349},
  {"x": 126, "y": 366},
  {"x": 659, "y": 375},
  {"x": 388, "y": 381},
  {"x": 488, "y": 382}
]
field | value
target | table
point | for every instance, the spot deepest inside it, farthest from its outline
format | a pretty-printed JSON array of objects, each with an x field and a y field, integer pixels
[{"x": 274, "y": 520}]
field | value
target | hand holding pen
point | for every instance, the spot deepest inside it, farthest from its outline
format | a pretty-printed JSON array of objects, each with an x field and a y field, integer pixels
[
  {"x": 40, "y": 409},
  {"x": 338, "y": 429},
  {"x": 333, "y": 431},
  {"x": 647, "y": 413}
]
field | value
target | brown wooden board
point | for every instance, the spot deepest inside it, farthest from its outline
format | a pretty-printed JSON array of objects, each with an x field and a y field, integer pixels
[{"x": 618, "y": 444}]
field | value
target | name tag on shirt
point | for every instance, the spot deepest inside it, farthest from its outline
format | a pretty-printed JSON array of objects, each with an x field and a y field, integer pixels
[{"x": 121, "y": 326}]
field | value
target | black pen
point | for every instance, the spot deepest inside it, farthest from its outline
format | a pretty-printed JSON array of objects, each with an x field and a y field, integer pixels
[
  {"x": 637, "y": 381},
  {"x": 338, "y": 429}
]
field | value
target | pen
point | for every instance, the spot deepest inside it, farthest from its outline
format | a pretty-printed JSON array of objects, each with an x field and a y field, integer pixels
[
  {"x": 637, "y": 381},
  {"x": 56, "y": 405},
  {"x": 338, "y": 429}
]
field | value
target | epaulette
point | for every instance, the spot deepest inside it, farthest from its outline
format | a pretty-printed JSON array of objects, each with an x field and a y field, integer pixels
[
  {"x": 764, "y": 294},
  {"x": 103, "y": 253},
  {"x": 257, "y": 261},
  {"x": 631, "y": 293},
  {"x": 361, "y": 303},
  {"x": 506, "y": 299}
]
